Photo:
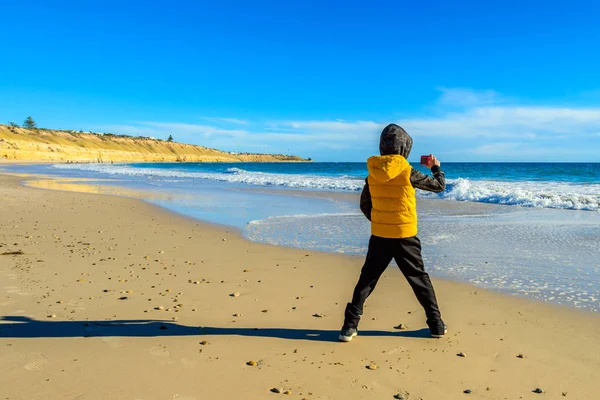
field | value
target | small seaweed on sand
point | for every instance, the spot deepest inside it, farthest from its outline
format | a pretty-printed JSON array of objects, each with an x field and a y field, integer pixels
[{"x": 12, "y": 253}]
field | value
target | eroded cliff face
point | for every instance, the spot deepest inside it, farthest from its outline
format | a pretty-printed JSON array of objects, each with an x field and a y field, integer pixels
[{"x": 70, "y": 146}]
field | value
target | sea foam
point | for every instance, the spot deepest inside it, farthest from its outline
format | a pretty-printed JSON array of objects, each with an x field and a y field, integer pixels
[{"x": 547, "y": 194}]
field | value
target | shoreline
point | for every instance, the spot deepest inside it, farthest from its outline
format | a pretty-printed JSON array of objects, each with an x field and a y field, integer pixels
[
  {"x": 84, "y": 252},
  {"x": 77, "y": 185}
]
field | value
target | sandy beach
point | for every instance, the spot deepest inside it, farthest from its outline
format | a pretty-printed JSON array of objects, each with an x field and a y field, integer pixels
[{"x": 106, "y": 297}]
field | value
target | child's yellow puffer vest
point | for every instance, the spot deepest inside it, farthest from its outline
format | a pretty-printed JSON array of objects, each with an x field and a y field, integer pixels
[{"x": 394, "y": 212}]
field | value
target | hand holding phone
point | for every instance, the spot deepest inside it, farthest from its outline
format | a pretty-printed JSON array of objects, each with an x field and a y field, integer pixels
[{"x": 429, "y": 161}]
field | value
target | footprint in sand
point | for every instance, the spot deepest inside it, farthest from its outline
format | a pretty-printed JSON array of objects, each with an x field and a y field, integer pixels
[
  {"x": 188, "y": 364},
  {"x": 15, "y": 290},
  {"x": 85, "y": 396},
  {"x": 159, "y": 351},
  {"x": 113, "y": 342},
  {"x": 35, "y": 362}
]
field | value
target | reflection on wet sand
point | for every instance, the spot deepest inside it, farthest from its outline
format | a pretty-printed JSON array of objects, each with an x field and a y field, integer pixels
[{"x": 84, "y": 185}]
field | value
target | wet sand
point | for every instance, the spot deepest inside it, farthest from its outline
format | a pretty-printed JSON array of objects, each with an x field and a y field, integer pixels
[{"x": 113, "y": 298}]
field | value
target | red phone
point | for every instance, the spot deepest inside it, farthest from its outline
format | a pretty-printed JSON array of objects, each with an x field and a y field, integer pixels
[{"x": 425, "y": 160}]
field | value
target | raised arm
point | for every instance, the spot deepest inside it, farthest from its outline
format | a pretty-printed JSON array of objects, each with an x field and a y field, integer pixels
[{"x": 436, "y": 184}]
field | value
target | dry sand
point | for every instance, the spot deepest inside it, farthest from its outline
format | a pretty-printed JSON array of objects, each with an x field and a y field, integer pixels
[{"x": 113, "y": 298}]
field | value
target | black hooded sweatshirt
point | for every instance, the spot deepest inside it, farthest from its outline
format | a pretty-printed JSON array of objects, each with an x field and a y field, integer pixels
[{"x": 395, "y": 140}]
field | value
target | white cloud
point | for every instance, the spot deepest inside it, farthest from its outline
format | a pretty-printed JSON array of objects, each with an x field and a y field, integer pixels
[
  {"x": 203, "y": 130},
  {"x": 507, "y": 122},
  {"x": 517, "y": 150},
  {"x": 485, "y": 120},
  {"x": 495, "y": 148},
  {"x": 458, "y": 97},
  {"x": 331, "y": 125},
  {"x": 330, "y": 134},
  {"x": 223, "y": 138},
  {"x": 234, "y": 121}
]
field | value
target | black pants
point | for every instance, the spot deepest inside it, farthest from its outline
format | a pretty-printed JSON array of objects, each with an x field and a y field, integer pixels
[{"x": 407, "y": 253}]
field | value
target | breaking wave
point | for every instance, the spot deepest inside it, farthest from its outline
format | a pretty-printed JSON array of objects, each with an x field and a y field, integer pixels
[{"x": 548, "y": 194}]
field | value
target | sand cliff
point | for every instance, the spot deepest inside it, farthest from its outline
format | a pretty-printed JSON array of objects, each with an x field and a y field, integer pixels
[{"x": 71, "y": 146}]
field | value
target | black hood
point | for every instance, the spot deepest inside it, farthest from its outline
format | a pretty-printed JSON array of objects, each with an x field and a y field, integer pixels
[{"x": 395, "y": 140}]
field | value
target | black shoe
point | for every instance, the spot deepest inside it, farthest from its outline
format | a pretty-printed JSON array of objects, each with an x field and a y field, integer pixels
[
  {"x": 347, "y": 334},
  {"x": 437, "y": 328}
]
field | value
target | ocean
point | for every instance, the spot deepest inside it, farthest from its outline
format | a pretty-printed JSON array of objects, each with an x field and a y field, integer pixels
[{"x": 530, "y": 229}]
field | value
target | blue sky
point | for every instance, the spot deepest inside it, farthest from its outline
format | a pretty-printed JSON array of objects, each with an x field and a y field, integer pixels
[{"x": 469, "y": 80}]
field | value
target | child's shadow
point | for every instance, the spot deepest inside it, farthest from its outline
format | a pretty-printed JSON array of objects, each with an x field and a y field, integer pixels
[{"x": 25, "y": 327}]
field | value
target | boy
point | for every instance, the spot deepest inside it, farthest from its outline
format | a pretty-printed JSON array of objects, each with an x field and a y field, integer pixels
[{"x": 388, "y": 201}]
